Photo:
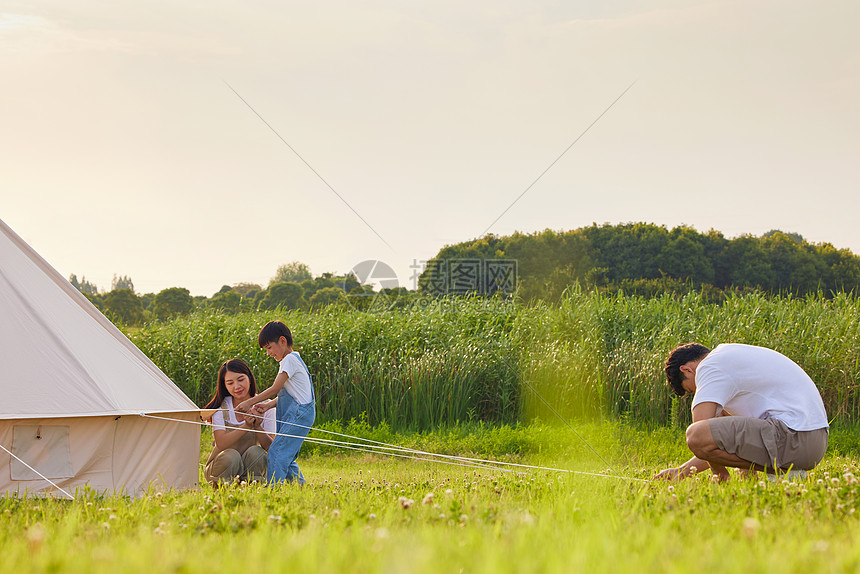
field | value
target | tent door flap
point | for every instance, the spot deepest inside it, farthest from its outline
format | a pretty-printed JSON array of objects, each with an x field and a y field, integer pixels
[{"x": 43, "y": 447}]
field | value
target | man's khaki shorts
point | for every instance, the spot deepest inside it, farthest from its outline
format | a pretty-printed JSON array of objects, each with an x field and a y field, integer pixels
[{"x": 769, "y": 443}]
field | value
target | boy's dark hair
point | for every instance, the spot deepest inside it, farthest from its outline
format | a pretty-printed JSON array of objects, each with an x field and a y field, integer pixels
[
  {"x": 680, "y": 355},
  {"x": 272, "y": 333}
]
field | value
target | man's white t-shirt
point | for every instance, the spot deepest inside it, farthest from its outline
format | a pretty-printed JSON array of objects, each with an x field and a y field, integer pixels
[
  {"x": 298, "y": 384},
  {"x": 757, "y": 382},
  {"x": 269, "y": 422}
]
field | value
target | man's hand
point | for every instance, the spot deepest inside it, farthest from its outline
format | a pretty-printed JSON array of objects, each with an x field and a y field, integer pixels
[
  {"x": 670, "y": 474},
  {"x": 689, "y": 468}
]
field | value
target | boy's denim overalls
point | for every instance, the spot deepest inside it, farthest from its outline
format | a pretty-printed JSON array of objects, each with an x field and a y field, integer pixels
[{"x": 284, "y": 449}]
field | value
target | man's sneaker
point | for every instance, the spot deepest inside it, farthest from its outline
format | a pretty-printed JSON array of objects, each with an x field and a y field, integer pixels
[
  {"x": 795, "y": 475},
  {"x": 791, "y": 476}
]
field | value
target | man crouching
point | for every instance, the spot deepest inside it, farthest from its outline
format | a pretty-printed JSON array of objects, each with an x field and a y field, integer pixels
[{"x": 753, "y": 409}]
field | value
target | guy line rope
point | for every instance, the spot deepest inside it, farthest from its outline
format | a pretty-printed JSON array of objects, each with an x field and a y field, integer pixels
[
  {"x": 370, "y": 446},
  {"x": 377, "y": 447},
  {"x": 54, "y": 484}
]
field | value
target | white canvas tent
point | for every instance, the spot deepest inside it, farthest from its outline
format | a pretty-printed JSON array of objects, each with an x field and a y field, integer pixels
[{"x": 72, "y": 389}]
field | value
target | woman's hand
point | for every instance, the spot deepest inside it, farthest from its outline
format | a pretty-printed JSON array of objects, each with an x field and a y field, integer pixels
[{"x": 252, "y": 422}]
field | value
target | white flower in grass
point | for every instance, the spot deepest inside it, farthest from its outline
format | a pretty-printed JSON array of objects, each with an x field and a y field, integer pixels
[
  {"x": 35, "y": 536},
  {"x": 428, "y": 499},
  {"x": 750, "y": 526}
]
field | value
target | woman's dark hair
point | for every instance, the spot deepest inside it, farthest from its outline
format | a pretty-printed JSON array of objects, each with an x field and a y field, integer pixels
[
  {"x": 680, "y": 355},
  {"x": 272, "y": 333},
  {"x": 221, "y": 392}
]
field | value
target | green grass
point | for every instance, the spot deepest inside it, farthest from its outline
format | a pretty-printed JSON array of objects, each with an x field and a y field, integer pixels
[
  {"x": 453, "y": 362},
  {"x": 351, "y": 515}
]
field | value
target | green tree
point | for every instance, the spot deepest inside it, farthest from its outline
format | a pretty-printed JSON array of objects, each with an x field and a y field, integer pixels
[
  {"x": 124, "y": 306},
  {"x": 288, "y": 295},
  {"x": 327, "y": 296},
  {"x": 173, "y": 301},
  {"x": 310, "y": 287},
  {"x": 294, "y": 272},
  {"x": 684, "y": 258},
  {"x": 83, "y": 286},
  {"x": 228, "y": 301},
  {"x": 121, "y": 282},
  {"x": 147, "y": 299},
  {"x": 247, "y": 289},
  {"x": 796, "y": 237}
]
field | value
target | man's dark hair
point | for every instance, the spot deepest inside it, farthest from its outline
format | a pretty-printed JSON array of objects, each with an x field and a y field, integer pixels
[
  {"x": 272, "y": 333},
  {"x": 680, "y": 355}
]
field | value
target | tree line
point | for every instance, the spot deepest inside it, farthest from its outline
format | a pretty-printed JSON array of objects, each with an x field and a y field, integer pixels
[
  {"x": 292, "y": 287},
  {"x": 637, "y": 258},
  {"x": 649, "y": 259}
]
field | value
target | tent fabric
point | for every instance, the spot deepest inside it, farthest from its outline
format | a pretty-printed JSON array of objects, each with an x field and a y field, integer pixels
[
  {"x": 71, "y": 360},
  {"x": 124, "y": 455},
  {"x": 79, "y": 381}
]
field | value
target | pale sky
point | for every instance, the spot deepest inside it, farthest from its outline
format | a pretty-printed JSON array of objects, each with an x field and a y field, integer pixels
[{"x": 123, "y": 150}]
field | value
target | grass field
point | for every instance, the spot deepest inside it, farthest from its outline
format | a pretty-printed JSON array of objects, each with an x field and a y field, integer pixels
[
  {"x": 481, "y": 378},
  {"x": 593, "y": 355},
  {"x": 366, "y": 513}
]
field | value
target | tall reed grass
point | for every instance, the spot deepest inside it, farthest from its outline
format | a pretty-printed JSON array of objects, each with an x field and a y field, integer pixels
[{"x": 592, "y": 355}]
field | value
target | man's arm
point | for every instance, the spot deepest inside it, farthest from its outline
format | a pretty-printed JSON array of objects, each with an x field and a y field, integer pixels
[
  {"x": 701, "y": 412},
  {"x": 269, "y": 393}
]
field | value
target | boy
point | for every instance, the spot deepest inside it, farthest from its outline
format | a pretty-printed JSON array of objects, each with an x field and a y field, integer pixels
[{"x": 295, "y": 408}]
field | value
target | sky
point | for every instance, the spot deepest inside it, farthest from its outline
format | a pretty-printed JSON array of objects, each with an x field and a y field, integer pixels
[{"x": 196, "y": 144}]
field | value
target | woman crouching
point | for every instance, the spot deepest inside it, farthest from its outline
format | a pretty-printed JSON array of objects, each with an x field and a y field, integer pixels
[{"x": 240, "y": 446}]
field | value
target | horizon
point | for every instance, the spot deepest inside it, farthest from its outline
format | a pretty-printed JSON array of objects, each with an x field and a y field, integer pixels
[{"x": 266, "y": 284}]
